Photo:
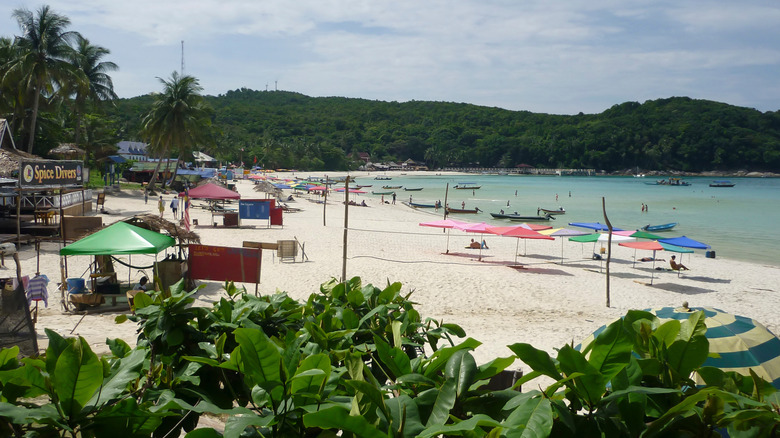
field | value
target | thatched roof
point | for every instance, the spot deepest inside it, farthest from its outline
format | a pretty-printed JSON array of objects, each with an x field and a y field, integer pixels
[
  {"x": 68, "y": 150},
  {"x": 155, "y": 223},
  {"x": 9, "y": 155}
]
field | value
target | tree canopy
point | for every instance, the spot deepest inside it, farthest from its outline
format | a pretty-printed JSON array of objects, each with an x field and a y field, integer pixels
[{"x": 291, "y": 130}]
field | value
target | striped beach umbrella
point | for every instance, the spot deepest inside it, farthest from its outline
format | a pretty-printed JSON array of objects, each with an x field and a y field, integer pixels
[{"x": 741, "y": 343}]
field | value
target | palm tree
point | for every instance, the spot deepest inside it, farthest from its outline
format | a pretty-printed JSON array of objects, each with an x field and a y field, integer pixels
[
  {"x": 178, "y": 119},
  {"x": 95, "y": 84},
  {"x": 43, "y": 60}
]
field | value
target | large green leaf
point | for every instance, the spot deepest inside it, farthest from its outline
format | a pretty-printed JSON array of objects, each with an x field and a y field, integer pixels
[
  {"x": 77, "y": 375},
  {"x": 461, "y": 368},
  {"x": 311, "y": 383},
  {"x": 532, "y": 418},
  {"x": 395, "y": 359},
  {"x": 235, "y": 424},
  {"x": 440, "y": 358},
  {"x": 57, "y": 344},
  {"x": 492, "y": 368},
  {"x": 472, "y": 424},
  {"x": 691, "y": 349},
  {"x": 125, "y": 371},
  {"x": 404, "y": 416},
  {"x": 445, "y": 401},
  {"x": 338, "y": 418},
  {"x": 260, "y": 356},
  {"x": 537, "y": 359},
  {"x": 591, "y": 384},
  {"x": 611, "y": 350}
]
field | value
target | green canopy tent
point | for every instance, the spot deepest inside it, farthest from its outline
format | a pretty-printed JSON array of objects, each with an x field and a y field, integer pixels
[
  {"x": 120, "y": 238},
  {"x": 117, "y": 239}
]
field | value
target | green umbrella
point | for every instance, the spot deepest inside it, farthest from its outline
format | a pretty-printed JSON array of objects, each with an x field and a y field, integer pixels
[{"x": 120, "y": 238}]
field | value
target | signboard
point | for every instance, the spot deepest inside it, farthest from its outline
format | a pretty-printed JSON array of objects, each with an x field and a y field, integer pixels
[
  {"x": 221, "y": 263},
  {"x": 254, "y": 209},
  {"x": 40, "y": 173}
]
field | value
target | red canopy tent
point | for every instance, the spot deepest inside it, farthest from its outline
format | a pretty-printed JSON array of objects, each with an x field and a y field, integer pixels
[{"x": 211, "y": 191}]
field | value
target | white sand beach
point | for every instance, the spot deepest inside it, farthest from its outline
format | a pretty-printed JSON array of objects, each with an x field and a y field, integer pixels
[{"x": 545, "y": 303}]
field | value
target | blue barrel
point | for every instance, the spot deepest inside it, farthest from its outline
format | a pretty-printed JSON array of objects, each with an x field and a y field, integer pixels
[{"x": 76, "y": 285}]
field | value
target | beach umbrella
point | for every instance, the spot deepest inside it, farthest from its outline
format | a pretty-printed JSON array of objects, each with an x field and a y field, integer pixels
[
  {"x": 593, "y": 226},
  {"x": 562, "y": 232},
  {"x": 737, "y": 343},
  {"x": 535, "y": 227},
  {"x": 317, "y": 189},
  {"x": 685, "y": 242},
  {"x": 281, "y": 186},
  {"x": 350, "y": 190},
  {"x": 646, "y": 245},
  {"x": 444, "y": 224},
  {"x": 519, "y": 232}
]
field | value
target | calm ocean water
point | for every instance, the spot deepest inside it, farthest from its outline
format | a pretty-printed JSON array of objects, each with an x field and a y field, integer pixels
[{"x": 738, "y": 222}]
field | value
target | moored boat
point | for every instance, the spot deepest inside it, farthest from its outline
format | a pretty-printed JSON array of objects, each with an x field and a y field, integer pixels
[
  {"x": 722, "y": 184},
  {"x": 669, "y": 182},
  {"x": 463, "y": 210},
  {"x": 466, "y": 186},
  {"x": 546, "y": 217},
  {"x": 412, "y": 189},
  {"x": 391, "y": 187},
  {"x": 383, "y": 178},
  {"x": 662, "y": 227},
  {"x": 560, "y": 210},
  {"x": 382, "y": 193},
  {"x": 418, "y": 205},
  {"x": 364, "y": 186}
]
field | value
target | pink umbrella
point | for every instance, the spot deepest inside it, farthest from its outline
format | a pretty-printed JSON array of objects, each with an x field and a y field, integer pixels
[
  {"x": 445, "y": 224},
  {"x": 318, "y": 189},
  {"x": 535, "y": 227},
  {"x": 350, "y": 190},
  {"x": 520, "y": 232}
]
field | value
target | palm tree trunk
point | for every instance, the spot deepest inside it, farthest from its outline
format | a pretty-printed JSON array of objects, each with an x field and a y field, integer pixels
[
  {"x": 33, "y": 120},
  {"x": 176, "y": 168},
  {"x": 157, "y": 170}
]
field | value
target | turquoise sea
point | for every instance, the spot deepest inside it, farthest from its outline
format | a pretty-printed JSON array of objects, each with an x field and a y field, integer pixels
[{"x": 738, "y": 222}]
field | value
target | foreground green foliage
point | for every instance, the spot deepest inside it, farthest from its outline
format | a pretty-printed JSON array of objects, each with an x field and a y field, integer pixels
[{"x": 349, "y": 361}]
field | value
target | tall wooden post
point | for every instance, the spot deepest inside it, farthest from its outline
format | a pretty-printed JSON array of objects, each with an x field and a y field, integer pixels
[
  {"x": 609, "y": 242},
  {"x": 346, "y": 225}
]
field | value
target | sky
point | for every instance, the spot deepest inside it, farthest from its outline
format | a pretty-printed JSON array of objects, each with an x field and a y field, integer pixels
[{"x": 558, "y": 57}]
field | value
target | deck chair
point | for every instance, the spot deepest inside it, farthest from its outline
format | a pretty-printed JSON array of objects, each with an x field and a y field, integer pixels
[{"x": 288, "y": 250}]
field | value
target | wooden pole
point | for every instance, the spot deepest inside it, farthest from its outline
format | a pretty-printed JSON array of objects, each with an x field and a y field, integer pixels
[
  {"x": 325, "y": 202},
  {"x": 609, "y": 242},
  {"x": 346, "y": 225},
  {"x": 19, "y": 220},
  {"x": 446, "y": 194}
]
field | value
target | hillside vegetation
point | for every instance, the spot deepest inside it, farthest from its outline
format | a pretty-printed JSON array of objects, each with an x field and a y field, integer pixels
[{"x": 291, "y": 130}]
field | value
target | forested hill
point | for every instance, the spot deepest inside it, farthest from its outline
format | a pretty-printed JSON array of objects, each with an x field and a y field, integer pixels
[{"x": 284, "y": 129}]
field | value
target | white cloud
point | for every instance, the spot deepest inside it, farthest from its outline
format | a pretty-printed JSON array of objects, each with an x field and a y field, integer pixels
[{"x": 560, "y": 57}]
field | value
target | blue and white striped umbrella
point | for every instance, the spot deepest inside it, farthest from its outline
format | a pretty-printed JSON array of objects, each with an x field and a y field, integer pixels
[{"x": 742, "y": 343}]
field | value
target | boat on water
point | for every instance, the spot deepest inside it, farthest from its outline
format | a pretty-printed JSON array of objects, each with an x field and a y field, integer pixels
[
  {"x": 463, "y": 210},
  {"x": 412, "y": 189},
  {"x": 391, "y": 187},
  {"x": 383, "y": 178},
  {"x": 364, "y": 186},
  {"x": 546, "y": 217},
  {"x": 662, "y": 227},
  {"x": 382, "y": 193},
  {"x": 560, "y": 210},
  {"x": 668, "y": 182},
  {"x": 418, "y": 205},
  {"x": 466, "y": 186},
  {"x": 722, "y": 184}
]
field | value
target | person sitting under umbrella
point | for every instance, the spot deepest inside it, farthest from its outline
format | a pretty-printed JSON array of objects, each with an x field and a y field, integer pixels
[{"x": 677, "y": 266}]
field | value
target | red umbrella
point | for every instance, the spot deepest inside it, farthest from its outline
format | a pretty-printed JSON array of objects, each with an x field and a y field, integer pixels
[
  {"x": 446, "y": 224},
  {"x": 318, "y": 189},
  {"x": 520, "y": 232},
  {"x": 534, "y": 227},
  {"x": 350, "y": 190}
]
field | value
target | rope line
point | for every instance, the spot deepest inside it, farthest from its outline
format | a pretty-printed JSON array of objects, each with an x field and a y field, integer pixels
[{"x": 129, "y": 265}]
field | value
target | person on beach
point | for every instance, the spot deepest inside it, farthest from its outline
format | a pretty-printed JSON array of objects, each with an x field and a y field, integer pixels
[
  {"x": 175, "y": 206},
  {"x": 146, "y": 196},
  {"x": 142, "y": 284},
  {"x": 410, "y": 199},
  {"x": 484, "y": 244},
  {"x": 393, "y": 198},
  {"x": 463, "y": 205},
  {"x": 161, "y": 206},
  {"x": 474, "y": 245},
  {"x": 677, "y": 266}
]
